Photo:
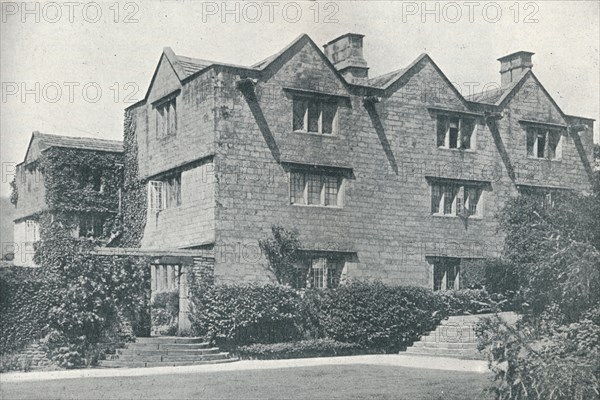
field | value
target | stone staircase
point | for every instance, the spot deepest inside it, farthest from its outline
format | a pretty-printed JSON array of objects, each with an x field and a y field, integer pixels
[
  {"x": 454, "y": 337},
  {"x": 163, "y": 351}
]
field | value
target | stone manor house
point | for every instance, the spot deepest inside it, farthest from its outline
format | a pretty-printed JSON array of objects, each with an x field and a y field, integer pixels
[{"x": 396, "y": 177}]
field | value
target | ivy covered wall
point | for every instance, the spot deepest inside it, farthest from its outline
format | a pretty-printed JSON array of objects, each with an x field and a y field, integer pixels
[{"x": 134, "y": 191}]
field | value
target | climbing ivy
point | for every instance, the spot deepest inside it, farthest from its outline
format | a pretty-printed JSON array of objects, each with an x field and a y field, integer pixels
[{"x": 134, "y": 193}]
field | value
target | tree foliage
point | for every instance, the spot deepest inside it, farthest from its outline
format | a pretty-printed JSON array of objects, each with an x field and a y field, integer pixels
[
  {"x": 282, "y": 251},
  {"x": 553, "y": 350},
  {"x": 92, "y": 299}
]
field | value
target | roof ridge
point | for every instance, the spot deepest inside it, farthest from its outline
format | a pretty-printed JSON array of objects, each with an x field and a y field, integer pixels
[{"x": 55, "y": 135}]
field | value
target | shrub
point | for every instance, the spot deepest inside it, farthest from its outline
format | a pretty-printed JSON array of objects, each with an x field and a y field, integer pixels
[
  {"x": 246, "y": 314},
  {"x": 165, "y": 312},
  {"x": 465, "y": 301},
  {"x": 282, "y": 252},
  {"x": 549, "y": 362},
  {"x": 501, "y": 276},
  {"x": 553, "y": 351},
  {"x": 368, "y": 314},
  {"x": 375, "y": 315},
  {"x": 300, "y": 349},
  {"x": 78, "y": 300}
]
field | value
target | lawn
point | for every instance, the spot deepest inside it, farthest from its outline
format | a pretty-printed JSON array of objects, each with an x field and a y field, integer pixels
[{"x": 323, "y": 382}]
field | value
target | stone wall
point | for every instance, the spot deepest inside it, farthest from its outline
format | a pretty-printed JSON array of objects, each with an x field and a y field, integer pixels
[
  {"x": 33, "y": 356},
  {"x": 386, "y": 221},
  {"x": 388, "y": 152}
]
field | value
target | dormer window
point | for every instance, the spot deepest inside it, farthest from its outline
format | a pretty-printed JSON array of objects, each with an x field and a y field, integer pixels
[
  {"x": 166, "y": 117},
  {"x": 314, "y": 115},
  {"x": 455, "y": 132},
  {"x": 544, "y": 143}
]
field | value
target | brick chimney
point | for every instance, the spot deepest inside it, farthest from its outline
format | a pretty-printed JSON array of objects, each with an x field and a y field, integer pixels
[
  {"x": 513, "y": 65},
  {"x": 346, "y": 54}
]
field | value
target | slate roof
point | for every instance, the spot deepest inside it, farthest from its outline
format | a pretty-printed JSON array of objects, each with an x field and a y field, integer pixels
[
  {"x": 192, "y": 65},
  {"x": 496, "y": 95},
  {"x": 383, "y": 80},
  {"x": 46, "y": 140},
  {"x": 188, "y": 66}
]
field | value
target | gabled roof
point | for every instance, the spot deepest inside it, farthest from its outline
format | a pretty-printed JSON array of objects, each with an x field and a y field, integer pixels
[
  {"x": 499, "y": 97},
  {"x": 48, "y": 140},
  {"x": 387, "y": 80},
  {"x": 190, "y": 66},
  {"x": 384, "y": 82},
  {"x": 187, "y": 67},
  {"x": 44, "y": 141},
  {"x": 261, "y": 65},
  {"x": 496, "y": 96}
]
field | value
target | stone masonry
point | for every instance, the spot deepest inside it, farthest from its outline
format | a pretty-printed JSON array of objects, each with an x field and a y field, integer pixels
[{"x": 234, "y": 148}]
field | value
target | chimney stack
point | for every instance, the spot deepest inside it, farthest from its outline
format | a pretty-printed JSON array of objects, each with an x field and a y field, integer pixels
[
  {"x": 513, "y": 65},
  {"x": 346, "y": 54}
]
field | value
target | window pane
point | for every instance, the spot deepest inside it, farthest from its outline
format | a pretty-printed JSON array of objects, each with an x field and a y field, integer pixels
[
  {"x": 553, "y": 145},
  {"x": 541, "y": 144},
  {"x": 334, "y": 270},
  {"x": 331, "y": 190},
  {"x": 530, "y": 142},
  {"x": 438, "y": 275},
  {"x": 329, "y": 110},
  {"x": 172, "y": 118},
  {"x": 156, "y": 195},
  {"x": 452, "y": 269},
  {"x": 297, "y": 188},
  {"x": 453, "y": 133},
  {"x": 299, "y": 112},
  {"x": 314, "y": 188},
  {"x": 467, "y": 126},
  {"x": 442, "y": 128},
  {"x": 160, "y": 121},
  {"x": 436, "y": 198},
  {"x": 449, "y": 194},
  {"x": 313, "y": 116},
  {"x": 472, "y": 199},
  {"x": 302, "y": 270},
  {"x": 317, "y": 273},
  {"x": 173, "y": 192}
]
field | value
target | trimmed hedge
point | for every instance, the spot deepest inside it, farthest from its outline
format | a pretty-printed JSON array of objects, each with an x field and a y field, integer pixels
[
  {"x": 246, "y": 314},
  {"x": 375, "y": 315},
  {"x": 300, "y": 349},
  {"x": 371, "y": 315}
]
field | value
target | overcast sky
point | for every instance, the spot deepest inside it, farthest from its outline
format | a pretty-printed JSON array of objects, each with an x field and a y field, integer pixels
[{"x": 65, "y": 55}]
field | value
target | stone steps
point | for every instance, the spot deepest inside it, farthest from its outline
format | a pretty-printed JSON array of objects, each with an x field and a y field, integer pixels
[
  {"x": 165, "y": 351},
  {"x": 142, "y": 364},
  {"x": 470, "y": 354},
  {"x": 454, "y": 337}
]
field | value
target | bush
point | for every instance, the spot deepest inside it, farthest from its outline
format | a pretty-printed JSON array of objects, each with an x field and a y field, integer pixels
[
  {"x": 368, "y": 314},
  {"x": 375, "y": 315},
  {"x": 550, "y": 362},
  {"x": 165, "y": 313},
  {"x": 553, "y": 350},
  {"x": 78, "y": 302},
  {"x": 465, "y": 301},
  {"x": 246, "y": 314},
  {"x": 300, "y": 349}
]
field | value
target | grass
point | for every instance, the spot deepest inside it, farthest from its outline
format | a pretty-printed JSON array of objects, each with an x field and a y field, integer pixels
[{"x": 325, "y": 382}]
